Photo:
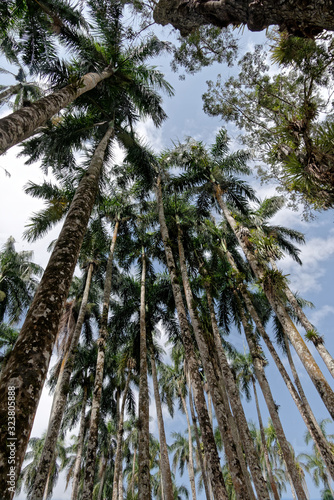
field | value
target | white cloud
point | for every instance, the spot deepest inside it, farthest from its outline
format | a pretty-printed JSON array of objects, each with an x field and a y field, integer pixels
[
  {"x": 313, "y": 256},
  {"x": 318, "y": 316}
]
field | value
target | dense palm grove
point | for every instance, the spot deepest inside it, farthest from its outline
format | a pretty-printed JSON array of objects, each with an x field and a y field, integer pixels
[{"x": 174, "y": 244}]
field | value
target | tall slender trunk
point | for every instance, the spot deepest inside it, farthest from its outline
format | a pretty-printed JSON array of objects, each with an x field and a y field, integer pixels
[
  {"x": 81, "y": 438},
  {"x": 120, "y": 484},
  {"x": 190, "y": 464},
  {"x": 102, "y": 477},
  {"x": 210, "y": 448},
  {"x": 97, "y": 393},
  {"x": 298, "y": 343},
  {"x": 301, "y": 403},
  {"x": 60, "y": 402},
  {"x": 316, "y": 339},
  {"x": 264, "y": 445},
  {"x": 234, "y": 397},
  {"x": 198, "y": 441},
  {"x": 120, "y": 431},
  {"x": 27, "y": 366},
  {"x": 213, "y": 379},
  {"x": 144, "y": 483},
  {"x": 21, "y": 124},
  {"x": 164, "y": 460},
  {"x": 265, "y": 388},
  {"x": 133, "y": 472}
]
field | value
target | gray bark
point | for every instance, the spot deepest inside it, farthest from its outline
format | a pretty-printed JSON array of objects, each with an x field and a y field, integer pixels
[
  {"x": 60, "y": 401},
  {"x": 190, "y": 464},
  {"x": 210, "y": 448},
  {"x": 97, "y": 393},
  {"x": 119, "y": 440},
  {"x": 27, "y": 366},
  {"x": 198, "y": 441},
  {"x": 300, "y": 401},
  {"x": 81, "y": 438},
  {"x": 166, "y": 476},
  {"x": 213, "y": 379},
  {"x": 236, "y": 405},
  {"x": 272, "y": 408},
  {"x": 144, "y": 483},
  {"x": 302, "y": 18},
  {"x": 294, "y": 336},
  {"x": 21, "y": 124}
]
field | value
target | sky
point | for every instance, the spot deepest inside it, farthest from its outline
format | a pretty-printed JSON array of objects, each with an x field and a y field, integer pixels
[{"x": 313, "y": 280}]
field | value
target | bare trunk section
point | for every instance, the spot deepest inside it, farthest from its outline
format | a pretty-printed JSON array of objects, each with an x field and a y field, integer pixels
[
  {"x": 21, "y": 124},
  {"x": 27, "y": 366},
  {"x": 191, "y": 470},
  {"x": 60, "y": 401},
  {"x": 213, "y": 379},
  {"x": 264, "y": 445},
  {"x": 316, "y": 339},
  {"x": 302, "y": 18},
  {"x": 102, "y": 477},
  {"x": 265, "y": 388},
  {"x": 97, "y": 392},
  {"x": 120, "y": 431},
  {"x": 81, "y": 438},
  {"x": 164, "y": 459},
  {"x": 301, "y": 403},
  {"x": 210, "y": 448},
  {"x": 144, "y": 483},
  {"x": 298, "y": 343},
  {"x": 198, "y": 441},
  {"x": 234, "y": 397}
]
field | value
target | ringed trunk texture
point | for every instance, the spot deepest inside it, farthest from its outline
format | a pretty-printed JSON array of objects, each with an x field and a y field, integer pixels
[
  {"x": 120, "y": 431},
  {"x": 27, "y": 366},
  {"x": 144, "y": 482},
  {"x": 97, "y": 392},
  {"x": 60, "y": 401},
  {"x": 213, "y": 379},
  {"x": 190, "y": 463},
  {"x": 236, "y": 405},
  {"x": 21, "y": 124},
  {"x": 81, "y": 438},
  {"x": 272, "y": 408},
  {"x": 317, "y": 340},
  {"x": 264, "y": 445},
  {"x": 198, "y": 441},
  {"x": 297, "y": 395},
  {"x": 294, "y": 336},
  {"x": 164, "y": 459},
  {"x": 210, "y": 448},
  {"x": 302, "y": 18}
]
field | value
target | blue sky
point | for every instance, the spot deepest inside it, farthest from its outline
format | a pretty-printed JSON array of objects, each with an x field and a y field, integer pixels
[{"x": 314, "y": 280}]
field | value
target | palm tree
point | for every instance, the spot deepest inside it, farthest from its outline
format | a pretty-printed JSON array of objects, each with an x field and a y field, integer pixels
[
  {"x": 23, "y": 90},
  {"x": 8, "y": 337},
  {"x": 18, "y": 281},
  {"x": 53, "y": 291},
  {"x": 183, "y": 454}
]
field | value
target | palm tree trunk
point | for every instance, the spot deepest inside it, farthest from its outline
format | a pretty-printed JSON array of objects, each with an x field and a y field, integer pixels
[
  {"x": 210, "y": 448},
  {"x": 198, "y": 441},
  {"x": 316, "y": 339},
  {"x": 234, "y": 397},
  {"x": 298, "y": 343},
  {"x": 265, "y": 388},
  {"x": 120, "y": 484},
  {"x": 164, "y": 460},
  {"x": 144, "y": 483},
  {"x": 301, "y": 403},
  {"x": 120, "y": 430},
  {"x": 60, "y": 401},
  {"x": 190, "y": 464},
  {"x": 81, "y": 438},
  {"x": 13, "y": 89},
  {"x": 133, "y": 472},
  {"x": 97, "y": 392},
  {"x": 21, "y": 124},
  {"x": 264, "y": 445},
  {"x": 27, "y": 366},
  {"x": 103, "y": 477},
  {"x": 221, "y": 410}
]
